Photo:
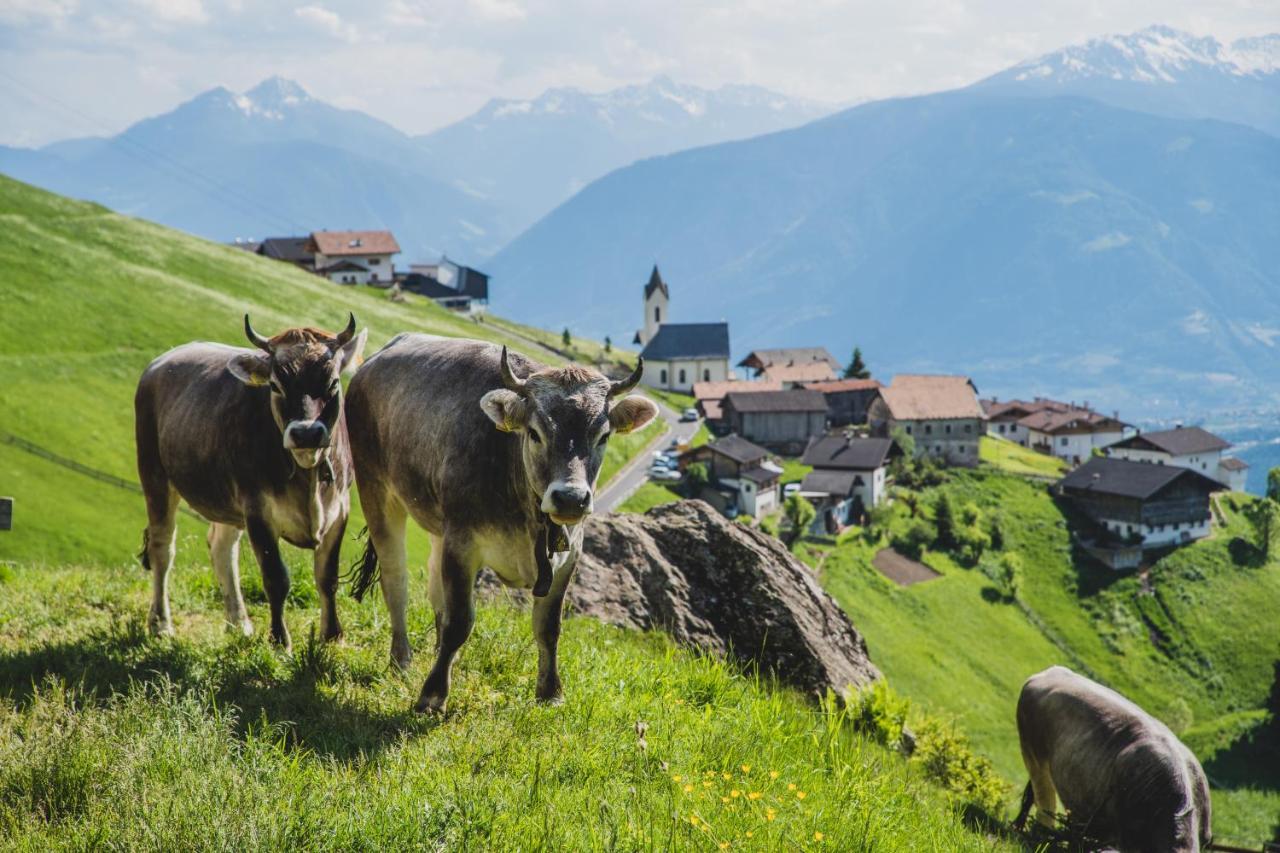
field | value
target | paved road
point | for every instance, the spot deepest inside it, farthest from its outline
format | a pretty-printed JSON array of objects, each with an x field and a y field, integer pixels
[{"x": 634, "y": 475}]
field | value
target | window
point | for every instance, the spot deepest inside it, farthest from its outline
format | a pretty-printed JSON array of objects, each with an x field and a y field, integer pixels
[
  {"x": 657, "y": 314},
  {"x": 928, "y": 429},
  {"x": 682, "y": 377},
  {"x": 948, "y": 429},
  {"x": 663, "y": 378},
  {"x": 706, "y": 375},
  {"x": 1000, "y": 429},
  {"x": 908, "y": 430},
  {"x": 968, "y": 428},
  {"x": 373, "y": 262}
]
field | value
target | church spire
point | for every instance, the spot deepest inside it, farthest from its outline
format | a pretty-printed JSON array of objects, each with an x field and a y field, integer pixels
[{"x": 656, "y": 283}]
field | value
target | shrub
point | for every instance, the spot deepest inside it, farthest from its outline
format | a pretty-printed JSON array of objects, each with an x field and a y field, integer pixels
[
  {"x": 912, "y": 540},
  {"x": 995, "y": 530},
  {"x": 880, "y": 713},
  {"x": 972, "y": 542},
  {"x": 946, "y": 757},
  {"x": 800, "y": 513},
  {"x": 944, "y": 517}
]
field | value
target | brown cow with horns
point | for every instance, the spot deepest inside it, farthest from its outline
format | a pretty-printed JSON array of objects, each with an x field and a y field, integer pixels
[
  {"x": 496, "y": 457},
  {"x": 252, "y": 439}
]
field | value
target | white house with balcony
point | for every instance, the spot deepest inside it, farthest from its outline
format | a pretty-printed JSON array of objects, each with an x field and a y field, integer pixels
[
  {"x": 1185, "y": 447},
  {"x": 355, "y": 257}
]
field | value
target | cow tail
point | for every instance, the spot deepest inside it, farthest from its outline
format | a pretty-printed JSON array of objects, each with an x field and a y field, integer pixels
[
  {"x": 364, "y": 572},
  {"x": 144, "y": 556}
]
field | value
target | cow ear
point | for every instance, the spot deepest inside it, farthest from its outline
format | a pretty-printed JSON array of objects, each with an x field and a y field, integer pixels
[
  {"x": 352, "y": 354},
  {"x": 251, "y": 368},
  {"x": 507, "y": 409},
  {"x": 632, "y": 413}
]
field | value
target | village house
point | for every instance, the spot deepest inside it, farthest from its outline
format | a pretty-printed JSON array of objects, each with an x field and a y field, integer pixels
[
  {"x": 448, "y": 284},
  {"x": 1185, "y": 447},
  {"x": 780, "y": 420},
  {"x": 291, "y": 250},
  {"x": 354, "y": 257},
  {"x": 758, "y": 360},
  {"x": 798, "y": 375},
  {"x": 676, "y": 355},
  {"x": 743, "y": 479},
  {"x": 941, "y": 414},
  {"x": 1064, "y": 430},
  {"x": 849, "y": 478},
  {"x": 1138, "y": 506},
  {"x": 709, "y": 397},
  {"x": 847, "y": 399}
]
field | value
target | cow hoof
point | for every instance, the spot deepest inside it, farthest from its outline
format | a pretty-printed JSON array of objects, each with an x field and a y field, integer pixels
[
  {"x": 243, "y": 627},
  {"x": 285, "y": 644},
  {"x": 555, "y": 700},
  {"x": 160, "y": 628},
  {"x": 432, "y": 705},
  {"x": 401, "y": 658}
]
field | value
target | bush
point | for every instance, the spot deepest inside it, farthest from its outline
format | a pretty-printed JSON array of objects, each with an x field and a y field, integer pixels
[
  {"x": 972, "y": 543},
  {"x": 800, "y": 513},
  {"x": 947, "y": 758},
  {"x": 944, "y": 517},
  {"x": 880, "y": 713},
  {"x": 913, "y": 539}
]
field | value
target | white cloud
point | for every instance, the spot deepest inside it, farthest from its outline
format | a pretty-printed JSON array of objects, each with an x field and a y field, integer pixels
[
  {"x": 327, "y": 20},
  {"x": 1203, "y": 205},
  {"x": 173, "y": 11},
  {"x": 21, "y": 13},
  {"x": 499, "y": 10},
  {"x": 1106, "y": 242}
]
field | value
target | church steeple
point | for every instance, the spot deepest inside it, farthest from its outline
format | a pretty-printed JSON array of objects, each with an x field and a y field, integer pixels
[
  {"x": 656, "y": 299},
  {"x": 656, "y": 283}
]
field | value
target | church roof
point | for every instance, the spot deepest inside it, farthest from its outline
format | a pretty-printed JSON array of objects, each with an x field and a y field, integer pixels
[{"x": 656, "y": 283}]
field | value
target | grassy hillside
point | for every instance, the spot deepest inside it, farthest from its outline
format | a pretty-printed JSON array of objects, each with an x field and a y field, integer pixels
[
  {"x": 90, "y": 297},
  {"x": 111, "y": 738},
  {"x": 1195, "y": 646}
]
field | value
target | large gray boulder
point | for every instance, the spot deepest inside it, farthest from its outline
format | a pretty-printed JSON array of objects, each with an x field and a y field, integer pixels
[{"x": 718, "y": 586}]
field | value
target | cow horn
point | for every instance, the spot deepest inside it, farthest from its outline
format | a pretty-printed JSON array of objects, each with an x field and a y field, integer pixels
[
  {"x": 509, "y": 378},
  {"x": 616, "y": 388},
  {"x": 254, "y": 338},
  {"x": 345, "y": 336}
]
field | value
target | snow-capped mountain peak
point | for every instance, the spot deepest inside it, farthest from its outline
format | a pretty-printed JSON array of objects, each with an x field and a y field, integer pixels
[{"x": 1156, "y": 54}]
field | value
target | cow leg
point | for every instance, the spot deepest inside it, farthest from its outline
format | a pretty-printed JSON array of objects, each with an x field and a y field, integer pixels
[
  {"x": 547, "y": 613},
  {"x": 386, "y": 519},
  {"x": 1046, "y": 796},
  {"x": 450, "y": 585},
  {"x": 275, "y": 576},
  {"x": 161, "y": 536},
  {"x": 1028, "y": 797},
  {"x": 326, "y": 572},
  {"x": 224, "y": 551}
]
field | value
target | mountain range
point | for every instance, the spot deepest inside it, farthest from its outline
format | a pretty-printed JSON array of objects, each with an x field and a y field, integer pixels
[
  {"x": 1042, "y": 241},
  {"x": 274, "y": 160}
]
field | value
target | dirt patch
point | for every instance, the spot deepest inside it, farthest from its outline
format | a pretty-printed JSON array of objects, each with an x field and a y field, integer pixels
[{"x": 902, "y": 570}]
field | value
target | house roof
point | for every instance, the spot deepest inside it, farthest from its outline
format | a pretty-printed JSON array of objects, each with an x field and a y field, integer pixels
[
  {"x": 339, "y": 243},
  {"x": 829, "y": 482},
  {"x": 1233, "y": 463},
  {"x": 835, "y": 386},
  {"x": 688, "y": 340},
  {"x": 292, "y": 249},
  {"x": 1125, "y": 478},
  {"x": 1176, "y": 442},
  {"x": 429, "y": 286},
  {"x": 836, "y": 451},
  {"x": 342, "y": 266},
  {"x": 738, "y": 449},
  {"x": 1016, "y": 409},
  {"x": 762, "y": 358},
  {"x": 922, "y": 397},
  {"x": 656, "y": 283},
  {"x": 809, "y": 371},
  {"x": 717, "y": 390},
  {"x": 760, "y": 475},
  {"x": 1070, "y": 421},
  {"x": 795, "y": 400}
]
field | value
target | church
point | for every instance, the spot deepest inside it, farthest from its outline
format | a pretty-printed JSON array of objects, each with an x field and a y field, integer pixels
[{"x": 676, "y": 355}]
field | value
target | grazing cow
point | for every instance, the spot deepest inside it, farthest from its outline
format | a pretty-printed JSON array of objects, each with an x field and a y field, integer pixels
[
  {"x": 496, "y": 457},
  {"x": 1123, "y": 776},
  {"x": 253, "y": 440}
]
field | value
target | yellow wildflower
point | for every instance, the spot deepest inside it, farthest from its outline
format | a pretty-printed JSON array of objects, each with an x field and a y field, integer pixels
[
  {"x": 750, "y": 834},
  {"x": 773, "y": 774},
  {"x": 770, "y": 814},
  {"x": 746, "y": 768},
  {"x": 675, "y": 777},
  {"x": 800, "y": 795},
  {"x": 693, "y": 819},
  {"x": 817, "y": 836},
  {"x": 724, "y": 799},
  {"x": 706, "y": 784},
  {"x": 791, "y": 786},
  {"x": 754, "y": 795},
  {"x": 688, "y": 788},
  {"x": 735, "y": 793},
  {"x": 724, "y": 845},
  {"x": 727, "y": 776}
]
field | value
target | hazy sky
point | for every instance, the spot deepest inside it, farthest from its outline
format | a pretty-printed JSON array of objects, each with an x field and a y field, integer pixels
[{"x": 83, "y": 67}]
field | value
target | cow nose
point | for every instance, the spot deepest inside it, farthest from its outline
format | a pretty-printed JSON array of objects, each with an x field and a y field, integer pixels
[
  {"x": 571, "y": 500},
  {"x": 306, "y": 435}
]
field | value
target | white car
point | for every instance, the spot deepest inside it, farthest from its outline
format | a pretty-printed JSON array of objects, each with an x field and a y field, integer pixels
[
  {"x": 790, "y": 489},
  {"x": 664, "y": 474},
  {"x": 689, "y": 416}
]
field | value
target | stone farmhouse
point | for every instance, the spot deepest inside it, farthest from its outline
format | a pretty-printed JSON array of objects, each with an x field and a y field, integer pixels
[
  {"x": 1137, "y": 506},
  {"x": 1185, "y": 447},
  {"x": 941, "y": 413},
  {"x": 849, "y": 477},
  {"x": 847, "y": 399},
  {"x": 743, "y": 477},
  {"x": 676, "y": 355},
  {"x": 780, "y": 420}
]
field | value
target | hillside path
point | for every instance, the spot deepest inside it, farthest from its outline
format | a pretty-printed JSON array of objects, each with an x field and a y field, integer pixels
[{"x": 634, "y": 474}]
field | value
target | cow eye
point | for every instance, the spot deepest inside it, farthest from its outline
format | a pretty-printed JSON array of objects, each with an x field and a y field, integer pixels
[
  {"x": 604, "y": 439},
  {"x": 535, "y": 436}
]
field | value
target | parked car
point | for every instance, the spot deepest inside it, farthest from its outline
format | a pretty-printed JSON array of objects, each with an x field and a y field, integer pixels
[
  {"x": 689, "y": 415},
  {"x": 790, "y": 489},
  {"x": 664, "y": 474}
]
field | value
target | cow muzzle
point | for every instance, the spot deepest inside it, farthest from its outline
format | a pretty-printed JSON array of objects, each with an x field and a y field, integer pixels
[
  {"x": 306, "y": 441},
  {"x": 567, "y": 503}
]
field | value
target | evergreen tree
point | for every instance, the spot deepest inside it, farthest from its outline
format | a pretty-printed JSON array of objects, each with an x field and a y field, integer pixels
[
  {"x": 857, "y": 368},
  {"x": 800, "y": 513},
  {"x": 608, "y": 344},
  {"x": 945, "y": 521},
  {"x": 1273, "y": 483},
  {"x": 566, "y": 339}
]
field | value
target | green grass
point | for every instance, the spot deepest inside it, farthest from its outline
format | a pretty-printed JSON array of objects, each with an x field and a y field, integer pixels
[
  {"x": 622, "y": 448},
  {"x": 958, "y": 649},
  {"x": 648, "y": 496},
  {"x": 581, "y": 350},
  {"x": 110, "y": 738},
  {"x": 96, "y": 296},
  {"x": 1013, "y": 458},
  {"x": 793, "y": 470},
  {"x": 674, "y": 399},
  {"x": 701, "y": 436}
]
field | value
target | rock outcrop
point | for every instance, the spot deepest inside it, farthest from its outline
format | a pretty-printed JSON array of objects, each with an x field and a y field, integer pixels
[{"x": 718, "y": 586}]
